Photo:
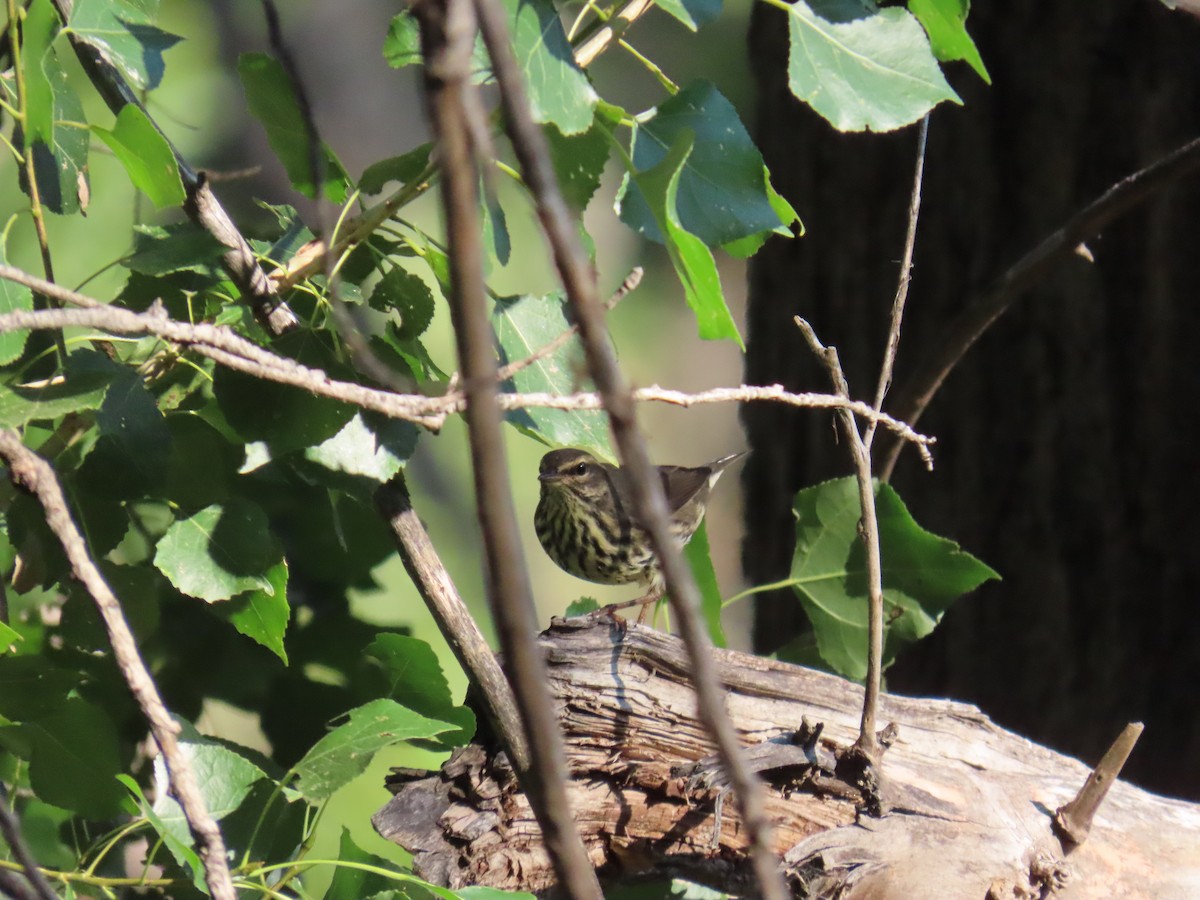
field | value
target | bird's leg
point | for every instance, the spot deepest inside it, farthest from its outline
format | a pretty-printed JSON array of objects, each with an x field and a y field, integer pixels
[{"x": 644, "y": 601}]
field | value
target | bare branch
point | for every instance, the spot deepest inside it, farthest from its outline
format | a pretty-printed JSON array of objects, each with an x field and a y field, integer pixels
[
  {"x": 910, "y": 242},
  {"x": 229, "y": 349},
  {"x": 447, "y": 35},
  {"x": 988, "y": 305},
  {"x": 648, "y": 501},
  {"x": 29, "y": 470},
  {"x": 454, "y": 620},
  {"x": 868, "y": 741}
]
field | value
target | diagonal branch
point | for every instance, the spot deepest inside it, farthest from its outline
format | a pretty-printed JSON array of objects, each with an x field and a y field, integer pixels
[
  {"x": 649, "y": 503},
  {"x": 454, "y": 620},
  {"x": 910, "y": 401},
  {"x": 201, "y": 205},
  {"x": 447, "y": 35},
  {"x": 32, "y": 472}
]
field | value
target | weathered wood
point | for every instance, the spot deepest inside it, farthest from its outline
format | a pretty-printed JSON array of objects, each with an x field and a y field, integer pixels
[{"x": 969, "y": 806}]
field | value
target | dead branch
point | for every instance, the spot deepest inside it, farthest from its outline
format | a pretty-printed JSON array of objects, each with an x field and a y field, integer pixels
[{"x": 971, "y": 804}]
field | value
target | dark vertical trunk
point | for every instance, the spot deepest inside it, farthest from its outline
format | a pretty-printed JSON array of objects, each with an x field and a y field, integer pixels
[{"x": 1068, "y": 457}]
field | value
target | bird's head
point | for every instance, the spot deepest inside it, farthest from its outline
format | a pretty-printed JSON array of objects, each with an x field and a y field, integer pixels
[{"x": 572, "y": 471}]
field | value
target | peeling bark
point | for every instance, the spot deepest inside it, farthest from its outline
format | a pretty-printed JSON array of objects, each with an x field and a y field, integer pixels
[{"x": 968, "y": 806}]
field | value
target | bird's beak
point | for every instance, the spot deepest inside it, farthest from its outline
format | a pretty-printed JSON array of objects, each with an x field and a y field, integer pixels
[{"x": 547, "y": 476}]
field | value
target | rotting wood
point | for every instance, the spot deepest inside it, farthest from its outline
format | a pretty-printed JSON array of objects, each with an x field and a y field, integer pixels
[{"x": 970, "y": 805}]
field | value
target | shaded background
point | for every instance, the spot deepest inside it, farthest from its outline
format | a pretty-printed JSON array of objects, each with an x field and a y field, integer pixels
[{"x": 1067, "y": 455}]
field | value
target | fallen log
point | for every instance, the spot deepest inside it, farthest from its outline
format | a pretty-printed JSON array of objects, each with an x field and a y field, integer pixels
[{"x": 966, "y": 809}]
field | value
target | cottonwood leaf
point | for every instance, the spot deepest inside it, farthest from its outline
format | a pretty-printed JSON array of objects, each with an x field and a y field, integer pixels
[
  {"x": 862, "y": 67},
  {"x": 347, "y": 750},
  {"x": 723, "y": 194},
  {"x": 220, "y": 551},
  {"x": 922, "y": 573},
  {"x": 527, "y": 323}
]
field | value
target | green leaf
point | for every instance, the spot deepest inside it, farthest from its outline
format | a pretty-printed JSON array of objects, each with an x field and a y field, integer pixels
[
  {"x": 123, "y": 32},
  {"x": 744, "y": 248},
  {"x": 579, "y": 161},
  {"x": 699, "y": 557},
  {"x": 272, "y": 101},
  {"x": 559, "y": 91},
  {"x": 345, "y": 752},
  {"x": 13, "y": 298},
  {"x": 145, "y": 155},
  {"x": 692, "y": 260},
  {"x": 183, "y": 247},
  {"x": 722, "y": 192},
  {"x": 945, "y": 21},
  {"x": 219, "y": 552},
  {"x": 862, "y": 69},
  {"x": 60, "y": 152},
  {"x": 353, "y": 883},
  {"x": 401, "y": 291},
  {"x": 922, "y": 573},
  {"x": 405, "y": 168},
  {"x": 74, "y": 759},
  {"x": 8, "y": 638},
  {"x": 413, "y": 677},
  {"x": 482, "y": 892},
  {"x": 44, "y": 828},
  {"x": 37, "y": 34},
  {"x": 402, "y": 46},
  {"x": 284, "y": 417},
  {"x": 31, "y": 687},
  {"x": 495, "y": 228},
  {"x": 581, "y": 607},
  {"x": 224, "y": 776},
  {"x": 692, "y": 13},
  {"x": 525, "y": 324},
  {"x": 139, "y": 591},
  {"x": 369, "y": 446},
  {"x": 187, "y": 858},
  {"x": 202, "y": 465},
  {"x": 85, "y": 380},
  {"x": 262, "y": 615},
  {"x": 130, "y": 458}
]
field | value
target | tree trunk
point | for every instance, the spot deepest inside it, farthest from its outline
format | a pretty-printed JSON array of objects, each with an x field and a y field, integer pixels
[
  {"x": 1067, "y": 455},
  {"x": 968, "y": 807}
]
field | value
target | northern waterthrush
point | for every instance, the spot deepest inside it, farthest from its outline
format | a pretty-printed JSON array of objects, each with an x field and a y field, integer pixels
[{"x": 586, "y": 524}]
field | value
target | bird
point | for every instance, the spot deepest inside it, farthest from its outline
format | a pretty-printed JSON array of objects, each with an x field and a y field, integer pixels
[{"x": 586, "y": 524}]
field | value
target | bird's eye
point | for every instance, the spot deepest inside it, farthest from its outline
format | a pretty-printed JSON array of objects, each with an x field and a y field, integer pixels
[{"x": 580, "y": 469}]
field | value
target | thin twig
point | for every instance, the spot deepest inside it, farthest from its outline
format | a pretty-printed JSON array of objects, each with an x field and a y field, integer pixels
[
  {"x": 596, "y": 43},
  {"x": 29, "y": 470},
  {"x": 915, "y": 394},
  {"x": 454, "y": 620},
  {"x": 632, "y": 280},
  {"x": 447, "y": 35},
  {"x": 649, "y": 504},
  {"x": 10, "y": 828},
  {"x": 910, "y": 242},
  {"x": 201, "y": 205},
  {"x": 868, "y": 740}
]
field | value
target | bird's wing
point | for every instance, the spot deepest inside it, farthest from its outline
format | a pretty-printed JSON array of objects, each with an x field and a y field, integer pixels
[{"x": 681, "y": 484}]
